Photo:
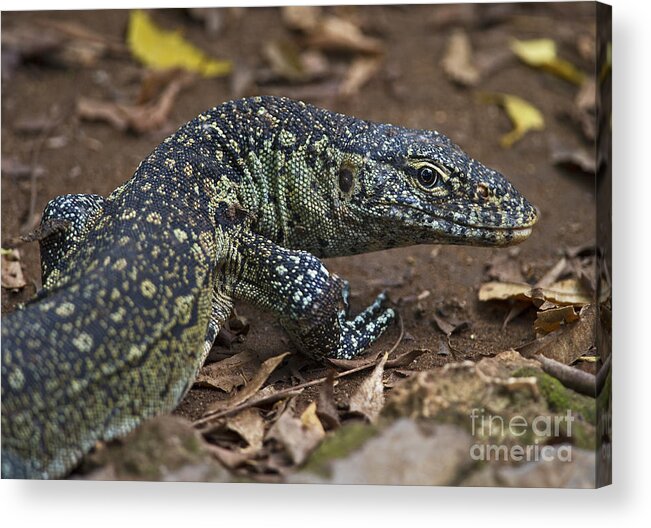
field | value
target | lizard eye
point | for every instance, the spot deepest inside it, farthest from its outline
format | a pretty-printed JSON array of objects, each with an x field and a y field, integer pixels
[
  {"x": 427, "y": 177},
  {"x": 345, "y": 179}
]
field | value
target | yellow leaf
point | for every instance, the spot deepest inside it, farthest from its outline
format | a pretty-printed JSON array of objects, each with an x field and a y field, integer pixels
[
  {"x": 161, "y": 49},
  {"x": 522, "y": 114},
  {"x": 541, "y": 53}
]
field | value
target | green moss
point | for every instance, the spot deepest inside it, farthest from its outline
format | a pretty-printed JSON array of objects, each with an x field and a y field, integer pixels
[
  {"x": 558, "y": 397},
  {"x": 343, "y": 442}
]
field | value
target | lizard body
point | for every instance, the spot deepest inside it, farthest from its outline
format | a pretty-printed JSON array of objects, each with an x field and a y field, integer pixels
[{"x": 239, "y": 203}]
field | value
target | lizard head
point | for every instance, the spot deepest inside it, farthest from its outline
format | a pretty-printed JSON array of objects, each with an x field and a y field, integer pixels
[{"x": 428, "y": 190}]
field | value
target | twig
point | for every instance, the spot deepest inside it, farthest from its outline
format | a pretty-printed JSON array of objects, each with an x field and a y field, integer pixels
[
  {"x": 573, "y": 378},
  {"x": 36, "y": 153},
  {"x": 603, "y": 372},
  {"x": 291, "y": 390}
]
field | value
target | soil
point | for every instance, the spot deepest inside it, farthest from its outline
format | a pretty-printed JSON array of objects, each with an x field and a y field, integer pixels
[{"x": 411, "y": 90}]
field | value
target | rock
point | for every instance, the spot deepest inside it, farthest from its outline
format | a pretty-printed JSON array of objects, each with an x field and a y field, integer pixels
[
  {"x": 166, "y": 448},
  {"x": 402, "y": 454}
]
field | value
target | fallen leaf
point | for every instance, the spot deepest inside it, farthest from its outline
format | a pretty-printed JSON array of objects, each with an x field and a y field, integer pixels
[
  {"x": 12, "y": 272},
  {"x": 299, "y": 436},
  {"x": 523, "y": 115},
  {"x": 449, "y": 326},
  {"x": 249, "y": 425},
  {"x": 229, "y": 373},
  {"x": 161, "y": 49},
  {"x": 549, "y": 320},
  {"x": 302, "y": 18},
  {"x": 346, "y": 364},
  {"x": 502, "y": 291},
  {"x": 457, "y": 62},
  {"x": 251, "y": 388},
  {"x": 337, "y": 34},
  {"x": 289, "y": 63},
  {"x": 137, "y": 118},
  {"x": 564, "y": 292},
  {"x": 327, "y": 408},
  {"x": 360, "y": 72},
  {"x": 405, "y": 359},
  {"x": 569, "y": 342},
  {"x": 541, "y": 53},
  {"x": 368, "y": 400},
  {"x": 575, "y": 159}
]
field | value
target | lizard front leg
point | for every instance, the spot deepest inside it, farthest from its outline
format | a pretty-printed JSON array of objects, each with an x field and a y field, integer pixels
[{"x": 311, "y": 303}]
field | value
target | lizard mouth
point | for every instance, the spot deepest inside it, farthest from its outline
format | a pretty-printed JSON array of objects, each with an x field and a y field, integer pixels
[{"x": 491, "y": 234}]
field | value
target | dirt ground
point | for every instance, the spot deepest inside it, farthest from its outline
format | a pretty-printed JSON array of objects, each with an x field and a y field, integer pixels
[{"x": 410, "y": 90}]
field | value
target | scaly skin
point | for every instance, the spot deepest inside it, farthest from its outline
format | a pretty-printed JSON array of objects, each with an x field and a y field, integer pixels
[{"x": 238, "y": 204}]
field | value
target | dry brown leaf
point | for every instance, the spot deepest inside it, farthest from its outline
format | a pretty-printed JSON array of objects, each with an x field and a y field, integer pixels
[
  {"x": 457, "y": 62},
  {"x": 573, "y": 158},
  {"x": 368, "y": 400},
  {"x": 251, "y": 388},
  {"x": 360, "y": 72},
  {"x": 229, "y": 373},
  {"x": 299, "y": 436},
  {"x": 289, "y": 63},
  {"x": 302, "y": 18},
  {"x": 327, "y": 408},
  {"x": 405, "y": 359},
  {"x": 569, "y": 342},
  {"x": 230, "y": 459},
  {"x": 502, "y": 291},
  {"x": 549, "y": 320},
  {"x": 449, "y": 326},
  {"x": 564, "y": 292},
  {"x": 12, "y": 272},
  {"x": 249, "y": 425},
  {"x": 337, "y": 34},
  {"x": 137, "y": 118}
]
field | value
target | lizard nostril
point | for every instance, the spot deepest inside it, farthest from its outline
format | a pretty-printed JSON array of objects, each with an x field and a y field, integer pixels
[{"x": 482, "y": 190}]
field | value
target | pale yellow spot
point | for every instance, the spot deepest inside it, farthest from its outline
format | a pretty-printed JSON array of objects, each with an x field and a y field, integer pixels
[
  {"x": 65, "y": 309},
  {"x": 84, "y": 342},
  {"x": 118, "y": 315},
  {"x": 128, "y": 214},
  {"x": 120, "y": 264},
  {"x": 183, "y": 308},
  {"x": 181, "y": 235},
  {"x": 287, "y": 139},
  {"x": 134, "y": 353},
  {"x": 16, "y": 379},
  {"x": 154, "y": 218},
  {"x": 187, "y": 170},
  {"x": 148, "y": 288}
]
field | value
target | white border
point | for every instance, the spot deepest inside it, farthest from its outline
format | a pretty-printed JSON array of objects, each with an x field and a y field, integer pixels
[{"x": 114, "y": 505}]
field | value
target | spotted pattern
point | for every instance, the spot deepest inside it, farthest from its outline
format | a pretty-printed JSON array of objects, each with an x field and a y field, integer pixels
[{"x": 239, "y": 203}]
